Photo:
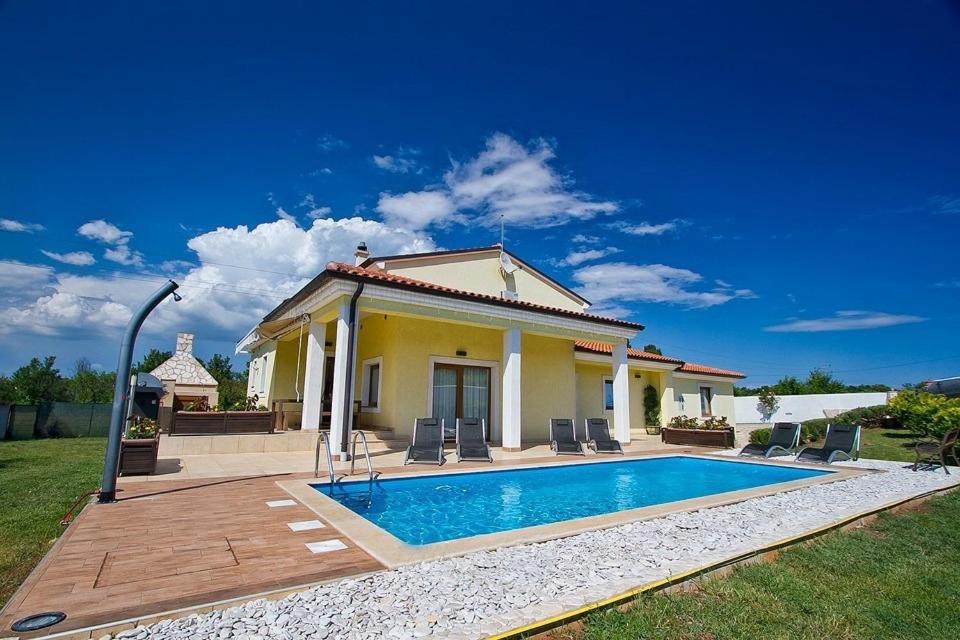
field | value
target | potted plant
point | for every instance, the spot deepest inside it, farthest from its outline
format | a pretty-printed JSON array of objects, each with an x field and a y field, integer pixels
[
  {"x": 713, "y": 432},
  {"x": 140, "y": 446},
  {"x": 651, "y": 410}
]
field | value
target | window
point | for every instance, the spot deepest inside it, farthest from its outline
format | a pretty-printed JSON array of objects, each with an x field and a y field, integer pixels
[
  {"x": 608, "y": 394},
  {"x": 370, "y": 385},
  {"x": 261, "y": 384},
  {"x": 706, "y": 401}
]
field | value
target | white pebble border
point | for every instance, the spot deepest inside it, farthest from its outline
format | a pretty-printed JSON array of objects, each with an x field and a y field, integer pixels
[{"x": 483, "y": 593}]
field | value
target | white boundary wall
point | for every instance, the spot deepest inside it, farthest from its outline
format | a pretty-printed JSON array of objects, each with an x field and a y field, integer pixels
[{"x": 806, "y": 407}]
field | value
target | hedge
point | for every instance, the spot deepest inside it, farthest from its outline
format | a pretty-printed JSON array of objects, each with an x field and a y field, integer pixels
[{"x": 816, "y": 429}]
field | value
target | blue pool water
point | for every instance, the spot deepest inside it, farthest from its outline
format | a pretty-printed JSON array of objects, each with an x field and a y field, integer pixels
[{"x": 435, "y": 508}]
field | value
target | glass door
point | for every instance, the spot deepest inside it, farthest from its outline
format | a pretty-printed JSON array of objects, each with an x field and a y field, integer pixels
[{"x": 460, "y": 391}]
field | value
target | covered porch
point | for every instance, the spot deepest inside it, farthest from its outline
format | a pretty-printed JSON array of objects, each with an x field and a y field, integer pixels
[{"x": 377, "y": 359}]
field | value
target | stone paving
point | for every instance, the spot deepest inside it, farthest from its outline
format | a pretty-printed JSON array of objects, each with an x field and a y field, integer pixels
[{"x": 482, "y": 593}]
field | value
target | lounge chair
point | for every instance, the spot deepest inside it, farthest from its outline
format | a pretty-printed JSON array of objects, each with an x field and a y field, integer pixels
[
  {"x": 933, "y": 453},
  {"x": 598, "y": 436},
  {"x": 842, "y": 440},
  {"x": 784, "y": 439},
  {"x": 563, "y": 437},
  {"x": 426, "y": 445},
  {"x": 472, "y": 440}
]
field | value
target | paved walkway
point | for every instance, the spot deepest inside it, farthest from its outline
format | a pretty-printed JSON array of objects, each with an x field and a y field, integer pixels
[{"x": 198, "y": 535}]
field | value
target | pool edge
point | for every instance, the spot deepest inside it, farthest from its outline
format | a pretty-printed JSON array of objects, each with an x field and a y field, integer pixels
[{"x": 393, "y": 552}]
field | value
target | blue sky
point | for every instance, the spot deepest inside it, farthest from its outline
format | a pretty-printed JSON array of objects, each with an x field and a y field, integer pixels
[{"x": 767, "y": 186}]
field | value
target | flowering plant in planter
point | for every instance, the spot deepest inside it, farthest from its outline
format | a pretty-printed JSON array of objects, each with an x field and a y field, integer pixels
[
  {"x": 142, "y": 428},
  {"x": 715, "y": 422},
  {"x": 683, "y": 422}
]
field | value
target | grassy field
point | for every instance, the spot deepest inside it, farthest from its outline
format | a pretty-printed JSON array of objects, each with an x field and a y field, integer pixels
[
  {"x": 887, "y": 444},
  {"x": 39, "y": 480}
]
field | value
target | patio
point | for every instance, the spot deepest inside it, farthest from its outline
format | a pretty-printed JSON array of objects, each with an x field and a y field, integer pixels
[{"x": 205, "y": 532}]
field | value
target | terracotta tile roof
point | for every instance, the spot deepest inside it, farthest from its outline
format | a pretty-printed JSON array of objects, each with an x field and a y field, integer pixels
[
  {"x": 637, "y": 354},
  {"x": 340, "y": 269},
  {"x": 692, "y": 367}
]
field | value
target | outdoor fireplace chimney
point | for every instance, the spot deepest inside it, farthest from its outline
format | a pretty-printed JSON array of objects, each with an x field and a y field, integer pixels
[
  {"x": 360, "y": 254},
  {"x": 185, "y": 343}
]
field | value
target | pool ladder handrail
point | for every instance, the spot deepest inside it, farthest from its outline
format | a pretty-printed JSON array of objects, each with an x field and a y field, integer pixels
[
  {"x": 371, "y": 474},
  {"x": 324, "y": 439}
]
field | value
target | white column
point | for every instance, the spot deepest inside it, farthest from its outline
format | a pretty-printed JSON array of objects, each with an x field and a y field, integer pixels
[
  {"x": 510, "y": 424},
  {"x": 313, "y": 377},
  {"x": 340, "y": 391},
  {"x": 621, "y": 394}
]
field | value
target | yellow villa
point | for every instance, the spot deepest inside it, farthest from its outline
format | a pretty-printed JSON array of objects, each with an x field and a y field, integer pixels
[{"x": 463, "y": 333}]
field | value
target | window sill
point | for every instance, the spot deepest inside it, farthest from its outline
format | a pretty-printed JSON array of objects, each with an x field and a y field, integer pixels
[{"x": 369, "y": 409}]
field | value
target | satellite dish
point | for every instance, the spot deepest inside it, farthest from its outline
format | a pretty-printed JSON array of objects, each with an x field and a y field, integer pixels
[{"x": 506, "y": 264}]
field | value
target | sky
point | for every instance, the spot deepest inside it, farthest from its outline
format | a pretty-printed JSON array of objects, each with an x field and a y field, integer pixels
[{"x": 768, "y": 187}]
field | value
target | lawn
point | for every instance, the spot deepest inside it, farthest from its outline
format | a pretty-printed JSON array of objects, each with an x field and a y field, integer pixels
[
  {"x": 885, "y": 444},
  {"x": 899, "y": 578},
  {"x": 39, "y": 480}
]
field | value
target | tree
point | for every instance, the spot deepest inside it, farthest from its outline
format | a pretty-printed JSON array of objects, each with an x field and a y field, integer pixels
[
  {"x": 820, "y": 381},
  {"x": 153, "y": 359},
  {"x": 652, "y": 348},
  {"x": 38, "y": 381},
  {"x": 219, "y": 367},
  {"x": 767, "y": 404},
  {"x": 231, "y": 385},
  {"x": 90, "y": 385},
  {"x": 789, "y": 386}
]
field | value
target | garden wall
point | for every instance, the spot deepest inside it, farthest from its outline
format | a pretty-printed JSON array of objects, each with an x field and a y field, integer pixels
[{"x": 806, "y": 407}]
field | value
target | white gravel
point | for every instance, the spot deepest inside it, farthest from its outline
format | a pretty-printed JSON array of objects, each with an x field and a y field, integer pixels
[{"x": 482, "y": 593}]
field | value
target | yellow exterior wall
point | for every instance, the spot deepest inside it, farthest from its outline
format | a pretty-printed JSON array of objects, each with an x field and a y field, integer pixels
[
  {"x": 378, "y": 338},
  {"x": 548, "y": 384},
  {"x": 480, "y": 273},
  {"x": 690, "y": 389},
  {"x": 283, "y": 382},
  {"x": 590, "y": 393}
]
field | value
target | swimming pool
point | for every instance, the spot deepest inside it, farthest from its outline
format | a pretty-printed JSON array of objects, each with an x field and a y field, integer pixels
[{"x": 439, "y": 507}]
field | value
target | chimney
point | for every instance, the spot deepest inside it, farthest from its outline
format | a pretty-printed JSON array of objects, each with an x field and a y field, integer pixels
[
  {"x": 360, "y": 254},
  {"x": 185, "y": 343}
]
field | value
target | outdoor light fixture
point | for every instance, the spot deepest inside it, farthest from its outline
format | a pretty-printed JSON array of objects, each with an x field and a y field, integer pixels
[
  {"x": 462, "y": 353},
  {"x": 38, "y": 621},
  {"x": 177, "y": 297}
]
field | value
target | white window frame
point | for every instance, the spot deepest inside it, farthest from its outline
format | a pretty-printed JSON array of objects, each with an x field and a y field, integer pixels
[
  {"x": 366, "y": 366},
  {"x": 603, "y": 393},
  {"x": 713, "y": 396},
  {"x": 261, "y": 382}
]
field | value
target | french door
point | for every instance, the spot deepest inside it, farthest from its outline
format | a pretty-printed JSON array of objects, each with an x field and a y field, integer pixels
[{"x": 460, "y": 391}]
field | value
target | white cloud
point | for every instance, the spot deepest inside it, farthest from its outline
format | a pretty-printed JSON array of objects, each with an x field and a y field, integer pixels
[
  {"x": 582, "y": 255},
  {"x": 400, "y": 162},
  {"x": 284, "y": 215},
  {"x": 15, "y": 226},
  {"x": 108, "y": 233},
  {"x": 328, "y": 142},
  {"x": 76, "y": 258},
  {"x": 416, "y": 209},
  {"x": 242, "y": 273},
  {"x": 949, "y": 205},
  {"x": 506, "y": 178},
  {"x": 615, "y": 283},
  {"x": 314, "y": 210},
  {"x": 105, "y": 232},
  {"x": 322, "y": 171},
  {"x": 585, "y": 239},
  {"x": 123, "y": 254},
  {"x": 647, "y": 229},
  {"x": 846, "y": 321}
]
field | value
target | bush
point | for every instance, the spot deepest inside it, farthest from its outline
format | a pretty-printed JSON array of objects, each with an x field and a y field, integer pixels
[
  {"x": 760, "y": 436},
  {"x": 716, "y": 422},
  {"x": 683, "y": 422},
  {"x": 813, "y": 430},
  {"x": 926, "y": 414}
]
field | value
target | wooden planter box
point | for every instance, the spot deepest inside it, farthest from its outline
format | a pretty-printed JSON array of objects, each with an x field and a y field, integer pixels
[
  {"x": 209, "y": 423},
  {"x": 698, "y": 437},
  {"x": 139, "y": 456}
]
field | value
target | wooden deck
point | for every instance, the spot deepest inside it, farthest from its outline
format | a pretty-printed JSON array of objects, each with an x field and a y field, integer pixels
[{"x": 191, "y": 542}]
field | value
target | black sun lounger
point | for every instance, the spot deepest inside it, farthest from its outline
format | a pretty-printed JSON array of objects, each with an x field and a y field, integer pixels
[
  {"x": 598, "y": 436},
  {"x": 427, "y": 442},
  {"x": 784, "y": 438},
  {"x": 842, "y": 440},
  {"x": 472, "y": 440},
  {"x": 563, "y": 437}
]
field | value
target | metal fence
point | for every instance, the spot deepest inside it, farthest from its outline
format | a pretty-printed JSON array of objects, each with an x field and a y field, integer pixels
[{"x": 55, "y": 420}]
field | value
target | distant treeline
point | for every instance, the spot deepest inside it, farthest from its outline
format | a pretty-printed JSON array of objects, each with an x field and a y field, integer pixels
[{"x": 818, "y": 381}]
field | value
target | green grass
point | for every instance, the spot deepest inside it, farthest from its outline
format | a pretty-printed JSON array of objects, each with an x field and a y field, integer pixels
[
  {"x": 899, "y": 578},
  {"x": 885, "y": 444},
  {"x": 39, "y": 480}
]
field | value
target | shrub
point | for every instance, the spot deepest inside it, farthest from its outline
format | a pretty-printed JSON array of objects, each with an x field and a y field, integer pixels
[
  {"x": 683, "y": 422},
  {"x": 715, "y": 422},
  {"x": 651, "y": 405},
  {"x": 926, "y": 414},
  {"x": 813, "y": 430},
  {"x": 760, "y": 436}
]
